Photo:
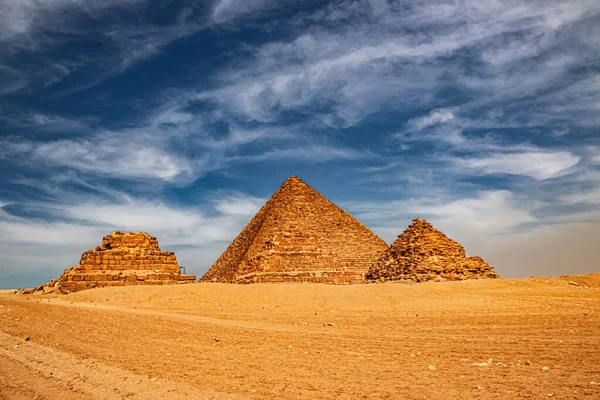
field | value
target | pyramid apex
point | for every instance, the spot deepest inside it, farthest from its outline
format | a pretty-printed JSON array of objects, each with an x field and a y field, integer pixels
[
  {"x": 293, "y": 180},
  {"x": 420, "y": 222}
]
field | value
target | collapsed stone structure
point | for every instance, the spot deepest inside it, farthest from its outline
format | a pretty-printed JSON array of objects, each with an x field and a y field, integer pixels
[
  {"x": 423, "y": 253},
  {"x": 299, "y": 236},
  {"x": 124, "y": 258}
]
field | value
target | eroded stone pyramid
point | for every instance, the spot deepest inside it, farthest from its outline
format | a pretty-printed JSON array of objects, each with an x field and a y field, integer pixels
[
  {"x": 125, "y": 258},
  {"x": 299, "y": 236},
  {"x": 423, "y": 253}
]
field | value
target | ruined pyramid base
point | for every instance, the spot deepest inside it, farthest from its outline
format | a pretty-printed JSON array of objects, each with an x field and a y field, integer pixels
[
  {"x": 77, "y": 280},
  {"x": 337, "y": 278},
  {"x": 434, "y": 268}
]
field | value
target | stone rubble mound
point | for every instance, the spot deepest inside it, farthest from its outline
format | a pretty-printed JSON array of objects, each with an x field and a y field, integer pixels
[
  {"x": 422, "y": 253},
  {"x": 124, "y": 258},
  {"x": 299, "y": 236}
]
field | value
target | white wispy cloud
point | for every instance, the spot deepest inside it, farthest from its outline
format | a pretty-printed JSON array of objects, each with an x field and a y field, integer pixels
[
  {"x": 36, "y": 28},
  {"x": 238, "y": 204},
  {"x": 30, "y": 17},
  {"x": 314, "y": 153},
  {"x": 491, "y": 212},
  {"x": 11, "y": 79},
  {"x": 143, "y": 42},
  {"x": 171, "y": 146},
  {"x": 334, "y": 66},
  {"x": 228, "y": 10},
  {"x": 538, "y": 165},
  {"x": 47, "y": 123},
  {"x": 105, "y": 155},
  {"x": 32, "y": 27},
  {"x": 39, "y": 26},
  {"x": 434, "y": 117}
]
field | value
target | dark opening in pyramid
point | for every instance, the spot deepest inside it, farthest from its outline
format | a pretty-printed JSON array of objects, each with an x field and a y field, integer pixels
[
  {"x": 299, "y": 236},
  {"x": 423, "y": 253}
]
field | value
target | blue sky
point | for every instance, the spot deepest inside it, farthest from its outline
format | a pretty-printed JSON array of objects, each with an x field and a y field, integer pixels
[{"x": 181, "y": 118}]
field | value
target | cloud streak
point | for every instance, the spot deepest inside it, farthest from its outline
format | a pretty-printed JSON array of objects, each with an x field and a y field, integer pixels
[{"x": 538, "y": 165}]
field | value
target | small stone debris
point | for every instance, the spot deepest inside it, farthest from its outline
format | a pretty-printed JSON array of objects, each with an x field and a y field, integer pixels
[
  {"x": 544, "y": 368},
  {"x": 432, "y": 368},
  {"x": 528, "y": 363},
  {"x": 550, "y": 394},
  {"x": 594, "y": 383},
  {"x": 28, "y": 338},
  {"x": 481, "y": 364},
  {"x": 478, "y": 387},
  {"x": 573, "y": 283},
  {"x": 217, "y": 340}
]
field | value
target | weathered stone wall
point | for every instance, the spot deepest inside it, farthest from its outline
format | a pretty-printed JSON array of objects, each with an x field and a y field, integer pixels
[
  {"x": 295, "y": 257},
  {"x": 125, "y": 258},
  {"x": 423, "y": 253},
  {"x": 299, "y": 236}
]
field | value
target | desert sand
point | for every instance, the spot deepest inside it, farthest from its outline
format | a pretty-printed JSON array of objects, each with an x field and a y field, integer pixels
[{"x": 490, "y": 339}]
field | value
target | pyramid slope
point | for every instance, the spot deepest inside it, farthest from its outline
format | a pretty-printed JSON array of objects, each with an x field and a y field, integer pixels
[
  {"x": 423, "y": 253},
  {"x": 299, "y": 236}
]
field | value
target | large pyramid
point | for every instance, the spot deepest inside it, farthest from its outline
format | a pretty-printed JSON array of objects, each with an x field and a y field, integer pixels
[
  {"x": 299, "y": 236},
  {"x": 423, "y": 253}
]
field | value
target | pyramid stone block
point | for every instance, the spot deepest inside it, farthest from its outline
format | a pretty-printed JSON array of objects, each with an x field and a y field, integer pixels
[
  {"x": 124, "y": 258},
  {"x": 423, "y": 253},
  {"x": 299, "y": 236}
]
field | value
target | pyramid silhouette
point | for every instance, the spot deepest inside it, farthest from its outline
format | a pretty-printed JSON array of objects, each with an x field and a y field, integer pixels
[
  {"x": 299, "y": 236},
  {"x": 423, "y": 253}
]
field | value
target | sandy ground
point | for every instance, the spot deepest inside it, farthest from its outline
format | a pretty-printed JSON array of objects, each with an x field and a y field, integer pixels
[{"x": 531, "y": 338}]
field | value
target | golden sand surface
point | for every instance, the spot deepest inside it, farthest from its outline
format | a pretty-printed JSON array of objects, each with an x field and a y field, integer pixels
[{"x": 490, "y": 339}]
